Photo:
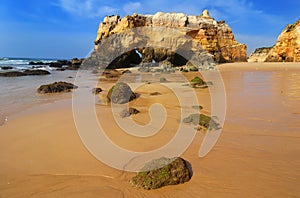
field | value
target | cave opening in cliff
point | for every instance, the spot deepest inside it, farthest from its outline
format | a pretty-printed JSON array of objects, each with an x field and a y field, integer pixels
[{"x": 150, "y": 55}]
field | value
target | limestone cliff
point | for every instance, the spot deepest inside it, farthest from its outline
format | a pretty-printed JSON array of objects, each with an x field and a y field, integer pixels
[
  {"x": 215, "y": 37},
  {"x": 286, "y": 49}
]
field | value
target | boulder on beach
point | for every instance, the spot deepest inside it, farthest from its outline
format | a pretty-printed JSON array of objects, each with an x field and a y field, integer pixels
[
  {"x": 120, "y": 93},
  {"x": 56, "y": 87},
  {"x": 162, "y": 172}
]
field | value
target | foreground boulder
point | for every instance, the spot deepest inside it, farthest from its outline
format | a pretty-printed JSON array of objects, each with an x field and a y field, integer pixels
[
  {"x": 25, "y": 73},
  {"x": 120, "y": 93},
  {"x": 162, "y": 172},
  {"x": 56, "y": 87}
]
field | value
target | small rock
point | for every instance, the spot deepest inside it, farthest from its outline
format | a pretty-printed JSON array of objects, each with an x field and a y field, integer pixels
[
  {"x": 155, "y": 94},
  {"x": 96, "y": 90},
  {"x": 56, "y": 87},
  {"x": 128, "y": 112}
]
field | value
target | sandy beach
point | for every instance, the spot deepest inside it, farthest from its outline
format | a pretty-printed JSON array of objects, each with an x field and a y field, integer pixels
[{"x": 257, "y": 154}]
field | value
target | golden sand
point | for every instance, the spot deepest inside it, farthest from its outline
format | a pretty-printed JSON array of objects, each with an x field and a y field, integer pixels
[{"x": 257, "y": 155}]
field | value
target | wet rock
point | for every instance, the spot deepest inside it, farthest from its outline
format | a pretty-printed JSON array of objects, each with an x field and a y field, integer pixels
[
  {"x": 162, "y": 172},
  {"x": 6, "y": 67},
  {"x": 120, "y": 93},
  {"x": 56, "y": 87},
  {"x": 25, "y": 73},
  {"x": 128, "y": 112},
  {"x": 155, "y": 93},
  {"x": 37, "y": 63},
  {"x": 96, "y": 90},
  {"x": 36, "y": 72},
  {"x": 203, "y": 121},
  {"x": 12, "y": 74}
]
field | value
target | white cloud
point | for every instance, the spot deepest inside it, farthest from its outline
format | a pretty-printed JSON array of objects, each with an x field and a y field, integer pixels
[
  {"x": 132, "y": 7},
  {"x": 86, "y": 8}
]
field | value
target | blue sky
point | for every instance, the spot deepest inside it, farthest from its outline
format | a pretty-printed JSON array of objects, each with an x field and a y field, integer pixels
[{"x": 67, "y": 28}]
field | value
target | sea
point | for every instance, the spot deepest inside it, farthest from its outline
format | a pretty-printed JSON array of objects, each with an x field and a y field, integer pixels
[{"x": 20, "y": 93}]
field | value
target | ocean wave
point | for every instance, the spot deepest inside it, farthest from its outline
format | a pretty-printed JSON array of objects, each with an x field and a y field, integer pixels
[{"x": 23, "y": 61}]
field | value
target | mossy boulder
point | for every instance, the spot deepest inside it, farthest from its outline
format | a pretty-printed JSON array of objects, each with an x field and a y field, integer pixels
[
  {"x": 197, "y": 82},
  {"x": 162, "y": 172},
  {"x": 120, "y": 93},
  {"x": 203, "y": 121},
  {"x": 56, "y": 87}
]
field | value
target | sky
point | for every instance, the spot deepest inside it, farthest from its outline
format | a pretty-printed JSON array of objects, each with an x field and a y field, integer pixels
[{"x": 67, "y": 28}]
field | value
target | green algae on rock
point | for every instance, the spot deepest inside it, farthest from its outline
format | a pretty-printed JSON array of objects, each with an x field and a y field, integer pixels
[{"x": 162, "y": 172}]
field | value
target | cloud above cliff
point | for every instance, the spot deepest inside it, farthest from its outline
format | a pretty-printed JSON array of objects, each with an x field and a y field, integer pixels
[{"x": 86, "y": 8}]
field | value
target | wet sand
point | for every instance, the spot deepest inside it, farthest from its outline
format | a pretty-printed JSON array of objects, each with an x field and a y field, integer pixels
[{"x": 257, "y": 155}]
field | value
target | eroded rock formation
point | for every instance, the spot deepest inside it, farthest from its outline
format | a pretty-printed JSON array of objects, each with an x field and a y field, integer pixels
[
  {"x": 214, "y": 37},
  {"x": 287, "y": 48}
]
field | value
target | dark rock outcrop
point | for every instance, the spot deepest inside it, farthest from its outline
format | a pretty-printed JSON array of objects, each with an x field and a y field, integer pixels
[
  {"x": 162, "y": 172},
  {"x": 36, "y": 72},
  {"x": 56, "y": 87},
  {"x": 120, "y": 93},
  {"x": 74, "y": 64},
  {"x": 24, "y": 73},
  {"x": 6, "y": 67}
]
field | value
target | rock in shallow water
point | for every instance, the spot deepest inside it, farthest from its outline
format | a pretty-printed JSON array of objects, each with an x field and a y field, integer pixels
[
  {"x": 162, "y": 172},
  {"x": 25, "y": 73},
  {"x": 56, "y": 87}
]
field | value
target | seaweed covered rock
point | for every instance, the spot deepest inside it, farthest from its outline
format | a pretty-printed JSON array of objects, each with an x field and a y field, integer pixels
[
  {"x": 162, "y": 172},
  {"x": 56, "y": 87},
  {"x": 120, "y": 93},
  {"x": 198, "y": 83},
  {"x": 203, "y": 121}
]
